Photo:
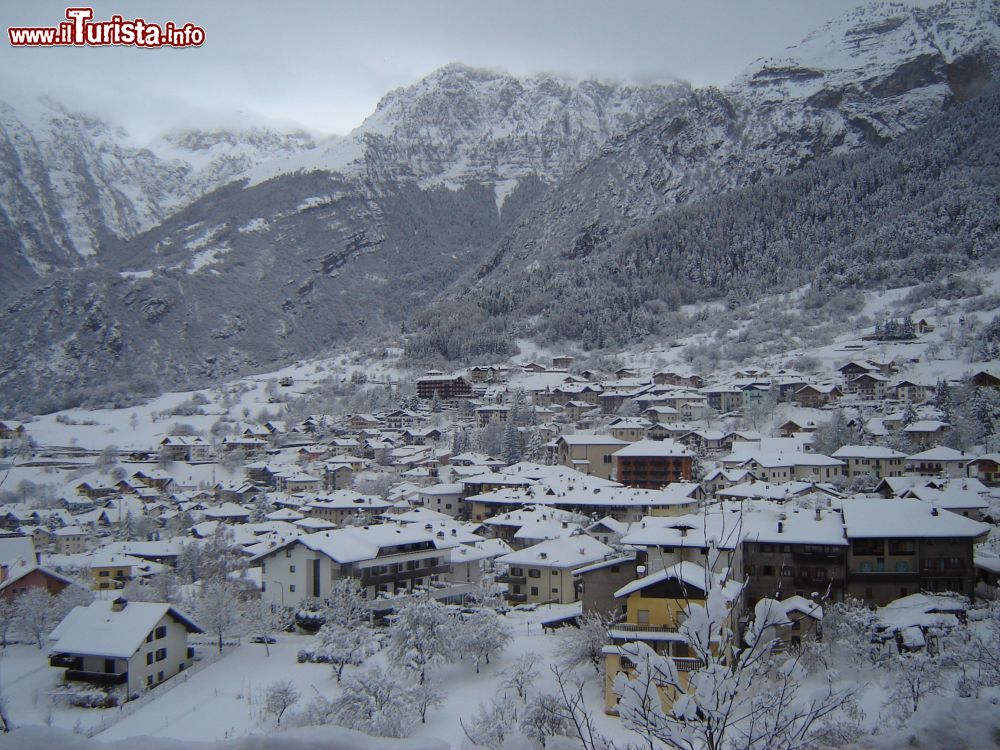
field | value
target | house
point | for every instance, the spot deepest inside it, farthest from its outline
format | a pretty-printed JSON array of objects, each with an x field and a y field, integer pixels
[
  {"x": 443, "y": 498},
  {"x": 652, "y": 464},
  {"x": 724, "y": 398},
  {"x": 815, "y": 395},
  {"x": 386, "y": 558},
  {"x": 111, "y": 570},
  {"x": 71, "y": 540},
  {"x": 629, "y": 429},
  {"x": 574, "y": 411},
  {"x": 562, "y": 361},
  {"x": 662, "y": 414},
  {"x": 909, "y": 392},
  {"x": 901, "y": 547},
  {"x": 361, "y": 422},
  {"x": 18, "y": 576},
  {"x": 137, "y": 645},
  {"x": 939, "y": 461},
  {"x": 869, "y": 386},
  {"x": 853, "y": 369},
  {"x": 185, "y": 448},
  {"x": 588, "y": 453},
  {"x": 803, "y": 619},
  {"x": 543, "y": 573},
  {"x": 870, "y": 459},
  {"x": 927, "y": 432},
  {"x": 343, "y": 507},
  {"x": 986, "y": 379},
  {"x": 11, "y": 430},
  {"x": 599, "y": 582},
  {"x": 655, "y": 606},
  {"x": 443, "y": 386},
  {"x": 250, "y": 447},
  {"x": 791, "y": 427},
  {"x": 987, "y": 468},
  {"x": 487, "y": 415}
]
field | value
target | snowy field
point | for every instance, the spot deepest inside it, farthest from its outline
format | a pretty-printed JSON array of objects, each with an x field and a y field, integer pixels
[{"x": 224, "y": 700}]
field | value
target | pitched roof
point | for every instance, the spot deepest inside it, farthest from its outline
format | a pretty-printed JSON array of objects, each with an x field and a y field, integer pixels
[{"x": 97, "y": 630}]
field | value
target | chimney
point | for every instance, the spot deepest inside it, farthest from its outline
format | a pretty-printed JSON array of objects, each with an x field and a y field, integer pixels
[
  {"x": 565, "y": 525},
  {"x": 684, "y": 531},
  {"x": 119, "y": 604},
  {"x": 819, "y": 514},
  {"x": 934, "y": 511}
]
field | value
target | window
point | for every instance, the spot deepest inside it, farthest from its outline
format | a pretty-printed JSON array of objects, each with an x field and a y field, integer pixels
[
  {"x": 555, "y": 590},
  {"x": 161, "y": 654},
  {"x": 534, "y": 590},
  {"x": 263, "y": 567},
  {"x": 534, "y": 573},
  {"x": 787, "y": 571},
  {"x": 288, "y": 553},
  {"x": 149, "y": 638},
  {"x": 901, "y": 547},
  {"x": 767, "y": 570},
  {"x": 263, "y": 586},
  {"x": 902, "y": 567},
  {"x": 866, "y": 567},
  {"x": 607, "y": 458},
  {"x": 149, "y": 658},
  {"x": 161, "y": 632},
  {"x": 159, "y": 676},
  {"x": 291, "y": 568},
  {"x": 149, "y": 680},
  {"x": 291, "y": 587},
  {"x": 104, "y": 573}
]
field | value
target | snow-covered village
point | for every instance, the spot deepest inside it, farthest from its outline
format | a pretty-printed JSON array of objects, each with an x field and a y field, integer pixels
[{"x": 537, "y": 411}]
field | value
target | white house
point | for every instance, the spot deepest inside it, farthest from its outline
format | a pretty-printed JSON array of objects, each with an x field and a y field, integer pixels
[{"x": 118, "y": 642}]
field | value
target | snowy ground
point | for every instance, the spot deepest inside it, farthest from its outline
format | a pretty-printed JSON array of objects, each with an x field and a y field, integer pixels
[{"x": 224, "y": 700}]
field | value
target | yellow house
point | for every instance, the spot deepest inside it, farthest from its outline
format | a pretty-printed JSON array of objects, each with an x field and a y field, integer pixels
[
  {"x": 655, "y": 611},
  {"x": 114, "y": 570}
]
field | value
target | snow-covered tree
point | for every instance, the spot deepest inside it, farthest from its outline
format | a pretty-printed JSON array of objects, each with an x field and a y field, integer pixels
[
  {"x": 483, "y": 634},
  {"x": 70, "y": 597},
  {"x": 492, "y": 723},
  {"x": 912, "y": 678},
  {"x": 8, "y": 619},
  {"x": 279, "y": 697},
  {"x": 585, "y": 643},
  {"x": 426, "y": 697},
  {"x": 544, "y": 718},
  {"x": 346, "y": 604},
  {"x": 833, "y": 434},
  {"x": 342, "y": 645},
  {"x": 511, "y": 449},
  {"x": 849, "y": 630},
  {"x": 261, "y": 619},
  {"x": 260, "y": 508},
  {"x": 521, "y": 675},
  {"x": 750, "y": 697},
  {"x": 217, "y": 608},
  {"x": 375, "y": 701},
  {"x": 36, "y": 613},
  {"x": 422, "y": 636},
  {"x": 974, "y": 648}
]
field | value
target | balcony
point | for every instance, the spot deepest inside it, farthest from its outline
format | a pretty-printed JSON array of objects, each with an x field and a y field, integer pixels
[
  {"x": 884, "y": 575},
  {"x": 943, "y": 573},
  {"x": 821, "y": 582},
  {"x": 632, "y": 627},
  {"x": 66, "y": 661},
  {"x": 516, "y": 597},
  {"x": 97, "y": 678},
  {"x": 401, "y": 576},
  {"x": 818, "y": 557},
  {"x": 508, "y": 578}
]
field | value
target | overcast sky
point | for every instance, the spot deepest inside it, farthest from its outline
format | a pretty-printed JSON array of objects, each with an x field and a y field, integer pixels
[{"x": 326, "y": 64}]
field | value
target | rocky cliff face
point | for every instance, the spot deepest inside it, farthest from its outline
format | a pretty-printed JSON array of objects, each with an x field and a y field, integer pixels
[{"x": 70, "y": 182}]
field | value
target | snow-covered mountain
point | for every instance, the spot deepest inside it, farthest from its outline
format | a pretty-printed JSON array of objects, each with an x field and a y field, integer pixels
[
  {"x": 462, "y": 125},
  {"x": 70, "y": 181},
  {"x": 469, "y": 185},
  {"x": 859, "y": 81}
]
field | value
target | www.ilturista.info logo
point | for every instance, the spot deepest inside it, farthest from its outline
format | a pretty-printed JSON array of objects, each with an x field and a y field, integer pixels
[{"x": 79, "y": 30}]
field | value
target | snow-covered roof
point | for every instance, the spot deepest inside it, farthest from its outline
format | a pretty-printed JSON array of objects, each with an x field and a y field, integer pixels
[
  {"x": 877, "y": 517},
  {"x": 98, "y": 630},
  {"x": 567, "y": 552},
  {"x": 866, "y": 451},
  {"x": 688, "y": 573},
  {"x": 940, "y": 453},
  {"x": 654, "y": 448},
  {"x": 354, "y": 544}
]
